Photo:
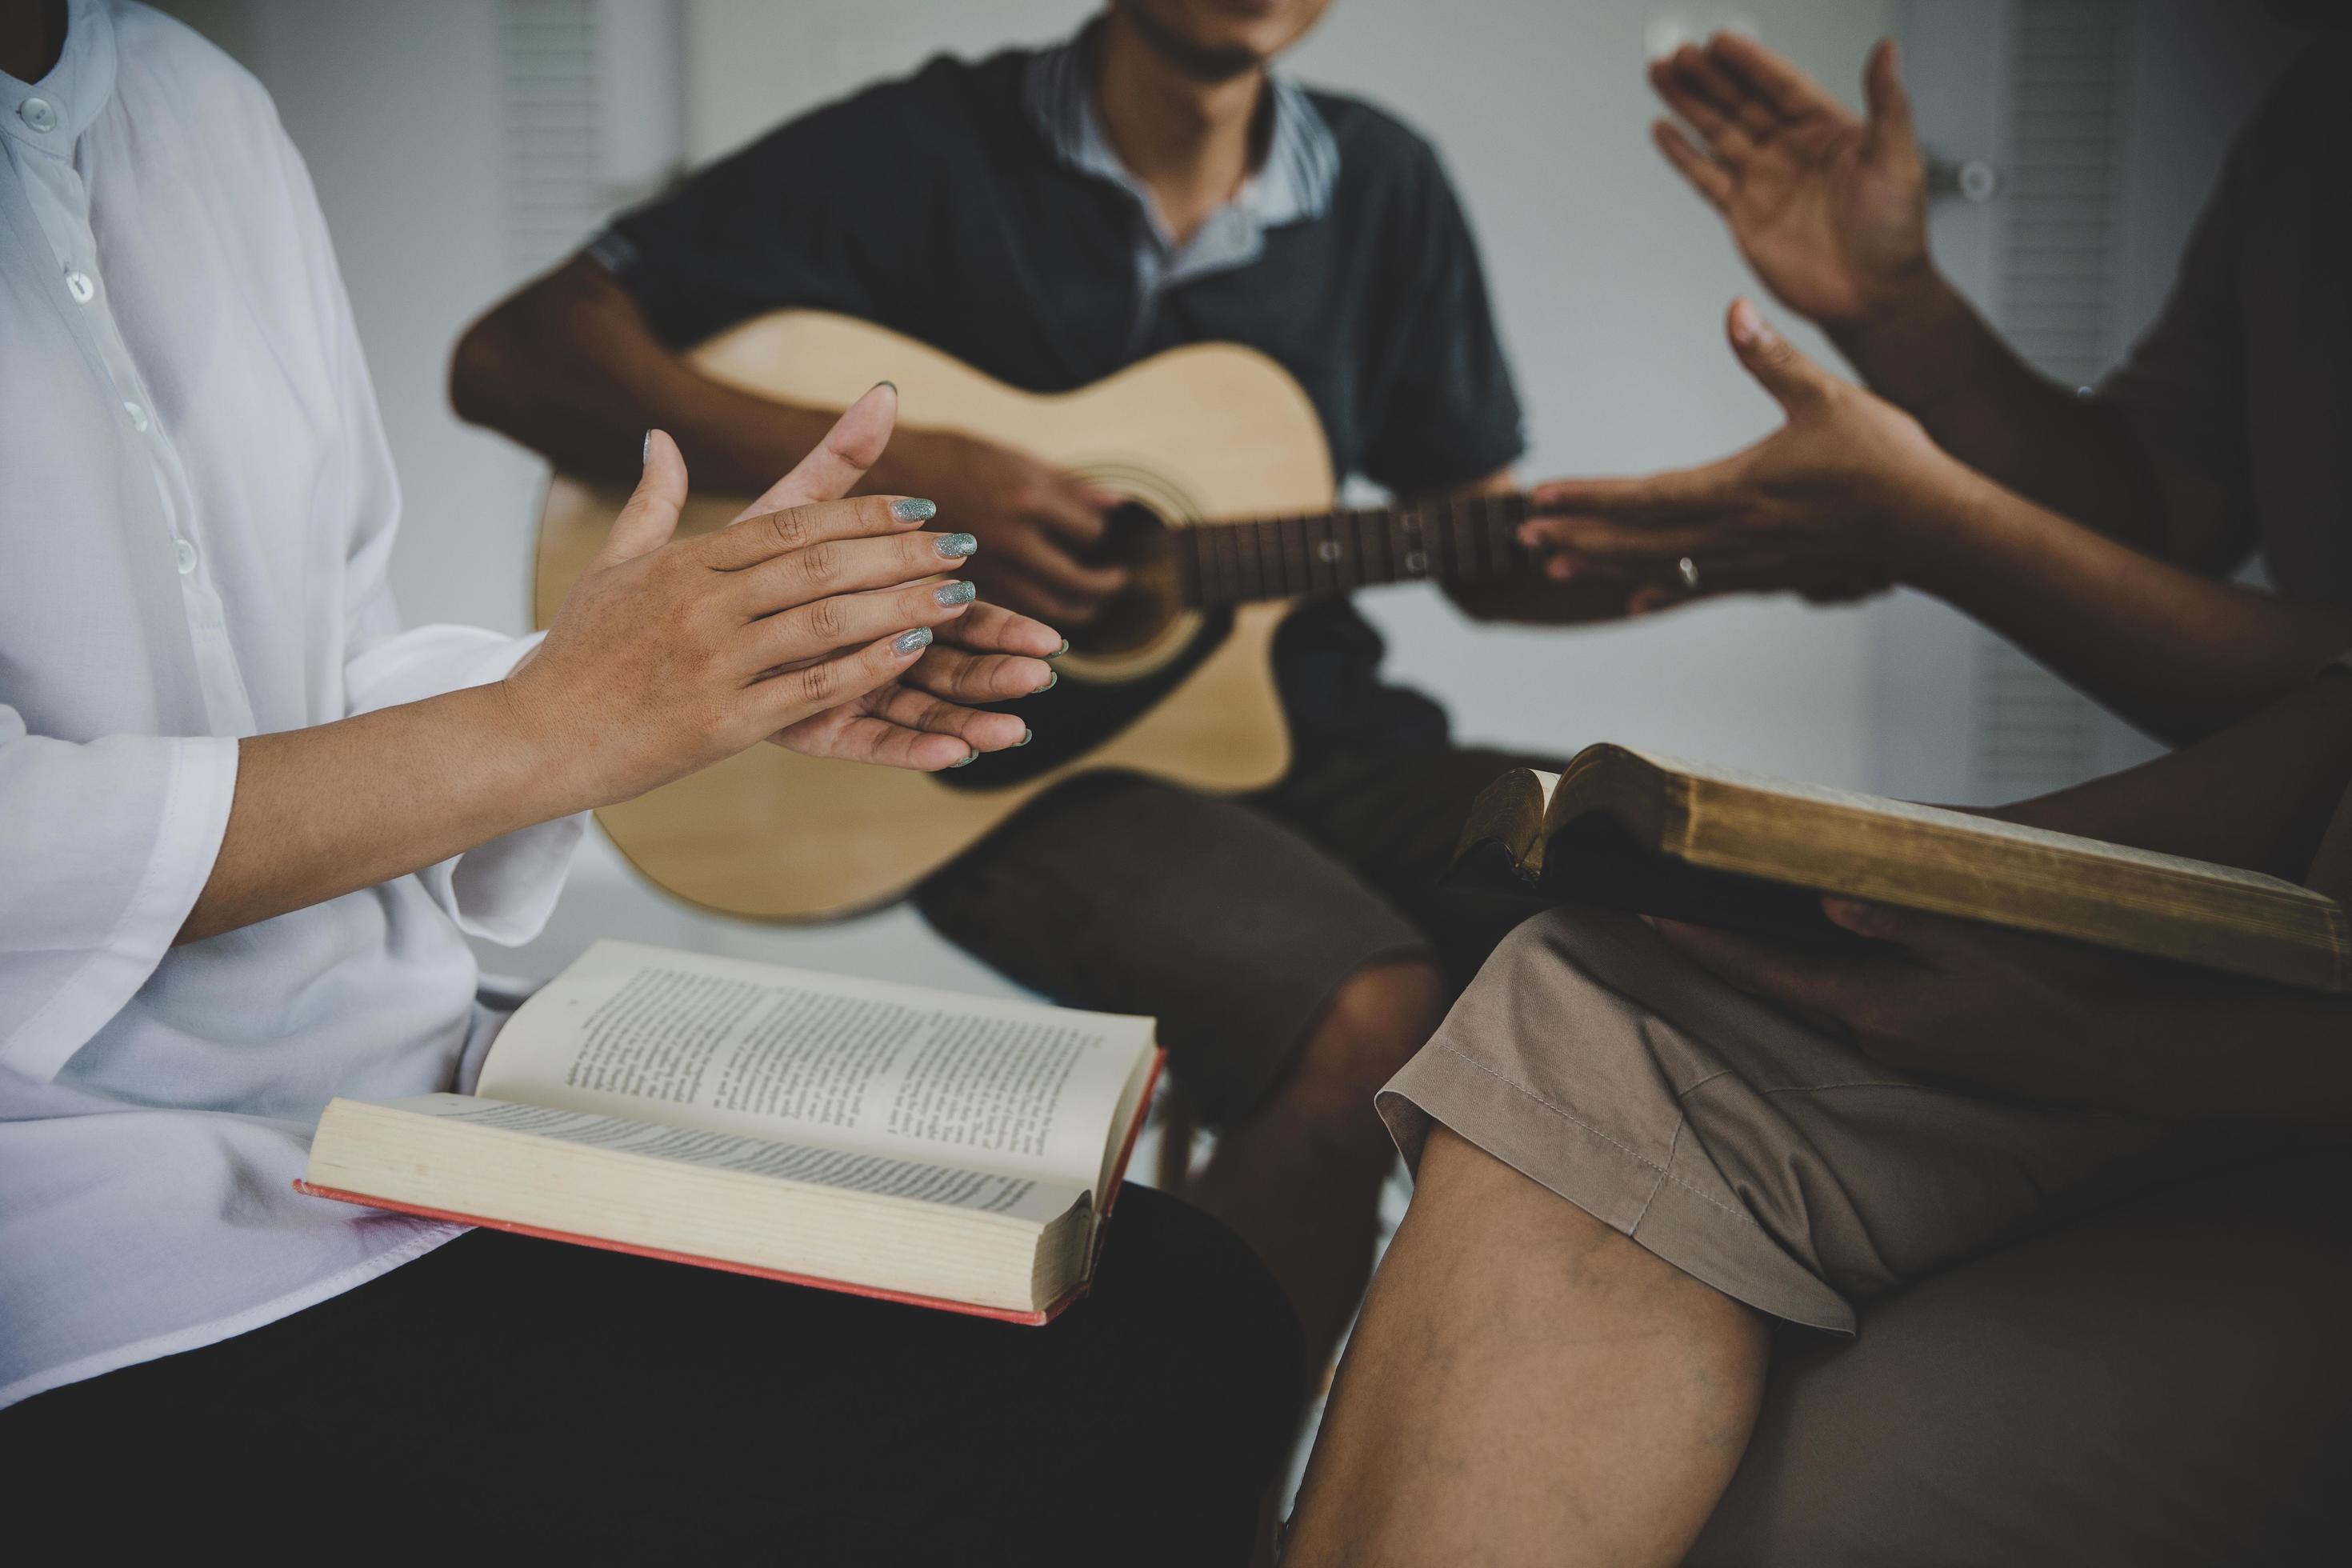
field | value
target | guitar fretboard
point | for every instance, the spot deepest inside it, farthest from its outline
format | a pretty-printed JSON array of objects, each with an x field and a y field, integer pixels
[{"x": 1456, "y": 539}]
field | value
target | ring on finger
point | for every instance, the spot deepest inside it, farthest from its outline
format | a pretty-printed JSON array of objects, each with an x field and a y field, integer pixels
[{"x": 1687, "y": 570}]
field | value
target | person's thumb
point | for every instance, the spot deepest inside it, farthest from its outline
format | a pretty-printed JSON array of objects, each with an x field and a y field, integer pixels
[
  {"x": 1792, "y": 378},
  {"x": 651, "y": 516},
  {"x": 1890, "y": 127}
]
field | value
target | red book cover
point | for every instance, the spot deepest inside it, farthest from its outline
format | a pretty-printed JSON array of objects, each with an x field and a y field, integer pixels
[{"x": 1001, "y": 1314}]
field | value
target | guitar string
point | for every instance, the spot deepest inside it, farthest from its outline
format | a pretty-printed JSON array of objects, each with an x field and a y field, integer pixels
[{"x": 1453, "y": 539}]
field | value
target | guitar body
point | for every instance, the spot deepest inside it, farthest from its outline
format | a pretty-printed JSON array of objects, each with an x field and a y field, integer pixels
[{"x": 1198, "y": 434}]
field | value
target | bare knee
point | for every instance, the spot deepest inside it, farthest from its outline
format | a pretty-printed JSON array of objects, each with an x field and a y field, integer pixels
[{"x": 1374, "y": 1022}]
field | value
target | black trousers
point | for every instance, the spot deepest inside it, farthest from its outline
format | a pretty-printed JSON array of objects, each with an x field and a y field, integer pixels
[{"x": 535, "y": 1397}]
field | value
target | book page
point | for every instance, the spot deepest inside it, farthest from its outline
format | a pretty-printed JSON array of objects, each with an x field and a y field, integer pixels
[
  {"x": 840, "y": 1170},
  {"x": 725, "y": 1045}
]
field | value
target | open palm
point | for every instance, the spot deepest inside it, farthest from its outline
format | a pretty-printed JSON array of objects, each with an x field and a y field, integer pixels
[{"x": 1830, "y": 210}]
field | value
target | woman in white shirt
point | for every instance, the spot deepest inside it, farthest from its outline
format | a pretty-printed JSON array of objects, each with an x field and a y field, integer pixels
[{"x": 246, "y": 825}]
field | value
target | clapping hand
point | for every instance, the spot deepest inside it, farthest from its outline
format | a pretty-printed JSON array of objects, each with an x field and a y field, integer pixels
[{"x": 831, "y": 627}]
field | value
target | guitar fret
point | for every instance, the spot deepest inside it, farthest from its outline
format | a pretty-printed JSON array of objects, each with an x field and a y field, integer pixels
[
  {"x": 1498, "y": 531},
  {"x": 1466, "y": 537}
]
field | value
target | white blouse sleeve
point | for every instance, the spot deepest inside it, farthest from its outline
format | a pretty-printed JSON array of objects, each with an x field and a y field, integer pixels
[{"x": 107, "y": 844}]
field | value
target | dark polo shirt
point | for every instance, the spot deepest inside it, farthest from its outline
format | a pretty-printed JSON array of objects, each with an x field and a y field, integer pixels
[
  {"x": 2245, "y": 381},
  {"x": 938, "y": 206}
]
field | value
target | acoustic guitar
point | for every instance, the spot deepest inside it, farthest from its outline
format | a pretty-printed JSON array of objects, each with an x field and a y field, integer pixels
[{"x": 1227, "y": 521}]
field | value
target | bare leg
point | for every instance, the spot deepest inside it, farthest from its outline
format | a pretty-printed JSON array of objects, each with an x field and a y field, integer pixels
[
  {"x": 1301, "y": 1183},
  {"x": 1526, "y": 1386}
]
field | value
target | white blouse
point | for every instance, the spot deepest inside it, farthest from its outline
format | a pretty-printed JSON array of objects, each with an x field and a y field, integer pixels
[{"x": 196, "y": 508}]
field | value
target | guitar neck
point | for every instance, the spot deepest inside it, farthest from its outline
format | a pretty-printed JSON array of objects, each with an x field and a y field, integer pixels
[{"x": 1451, "y": 539}]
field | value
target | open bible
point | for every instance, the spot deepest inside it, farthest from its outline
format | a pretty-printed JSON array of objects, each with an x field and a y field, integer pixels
[
  {"x": 1720, "y": 847},
  {"x": 949, "y": 1150}
]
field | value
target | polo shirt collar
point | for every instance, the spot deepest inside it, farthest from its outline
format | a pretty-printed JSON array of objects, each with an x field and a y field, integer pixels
[
  {"x": 1292, "y": 183},
  {"x": 50, "y": 114}
]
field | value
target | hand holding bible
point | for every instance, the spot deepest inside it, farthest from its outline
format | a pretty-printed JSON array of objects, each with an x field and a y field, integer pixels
[
  {"x": 2006, "y": 1011},
  {"x": 1845, "y": 498},
  {"x": 810, "y": 620},
  {"x": 1830, "y": 211}
]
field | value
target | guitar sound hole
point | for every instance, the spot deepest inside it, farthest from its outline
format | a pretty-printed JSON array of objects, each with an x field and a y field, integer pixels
[{"x": 1134, "y": 617}]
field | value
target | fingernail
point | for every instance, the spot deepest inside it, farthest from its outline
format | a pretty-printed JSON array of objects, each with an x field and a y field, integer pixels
[
  {"x": 953, "y": 594},
  {"x": 955, "y": 546},
  {"x": 646, "y": 452},
  {"x": 1050, "y": 679},
  {"x": 1023, "y": 740},
  {"x": 908, "y": 642},
  {"x": 891, "y": 385},
  {"x": 1060, "y": 652},
  {"x": 913, "y": 510},
  {"x": 969, "y": 758}
]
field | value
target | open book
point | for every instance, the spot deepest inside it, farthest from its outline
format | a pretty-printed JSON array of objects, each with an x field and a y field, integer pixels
[
  {"x": 952, "y": 1151},
  {"x": 1720, "y": 847}
]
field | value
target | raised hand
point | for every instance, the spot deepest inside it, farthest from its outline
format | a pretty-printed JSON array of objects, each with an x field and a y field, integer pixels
[
  {"x": 1830, "y": 211},
  {"x": 1847, "y": 497},
  {"x": 808, "y": 620}
]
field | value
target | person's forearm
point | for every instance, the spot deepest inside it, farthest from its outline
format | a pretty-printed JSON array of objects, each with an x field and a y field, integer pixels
[
  {"x": 570, "y": 368},
  {"x": 325, "y": 811},
  {"x": 2174, "y": 652},
  {"x": 2259, "y": 795},
  {"x": 1930, "y": 352}
]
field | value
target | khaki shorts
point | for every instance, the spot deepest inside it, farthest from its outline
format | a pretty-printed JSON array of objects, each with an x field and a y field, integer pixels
[{"x": 1757, "y": 1154}]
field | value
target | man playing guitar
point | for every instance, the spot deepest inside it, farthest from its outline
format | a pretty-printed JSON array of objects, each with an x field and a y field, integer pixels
[{"x": 1048, "y": 217}]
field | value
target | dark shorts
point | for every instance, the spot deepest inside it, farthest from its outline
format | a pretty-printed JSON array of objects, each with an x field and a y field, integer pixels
[
  {"x": 1231, "y": 920},
  {"x": 507, "y": 1399}
]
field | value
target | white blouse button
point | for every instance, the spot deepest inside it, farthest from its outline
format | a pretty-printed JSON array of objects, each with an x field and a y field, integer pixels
[
  {"x": 184, "y": 554},
  {"x": 39, "y": 112},
  {"x": 137, "y": 415},
  {"x": 81, "y": 287}
]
